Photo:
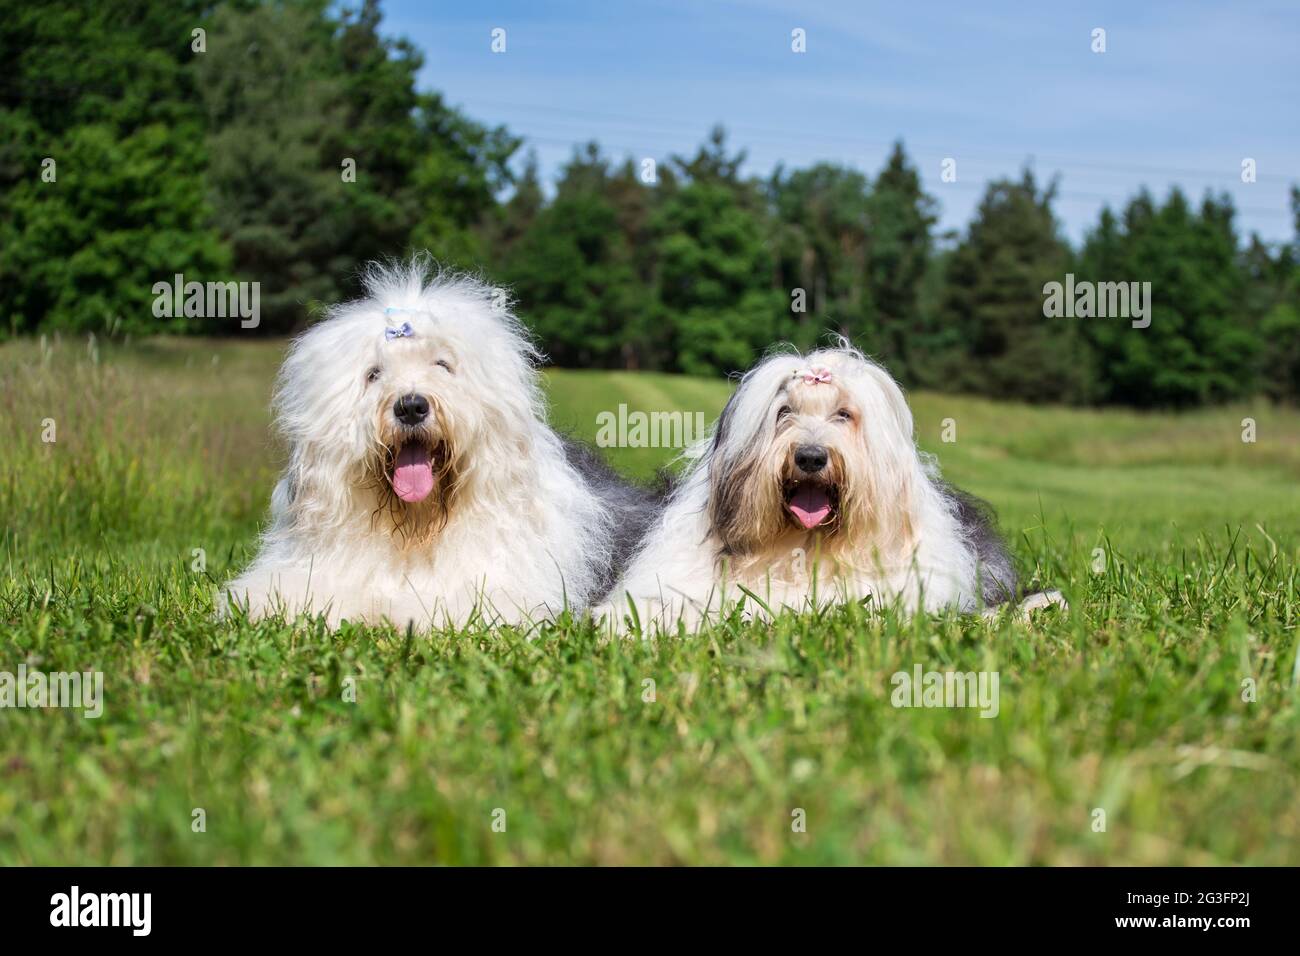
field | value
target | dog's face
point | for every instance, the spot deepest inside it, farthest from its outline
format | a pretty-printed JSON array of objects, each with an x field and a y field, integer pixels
[
  {"x": 815, "y": 431},
  {"x": 407, "y": 409},
  {"x": 419, "y": 428},
  {"x": 816, "y": 444}
]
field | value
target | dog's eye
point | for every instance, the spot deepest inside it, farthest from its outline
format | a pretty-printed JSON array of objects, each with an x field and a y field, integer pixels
[
  {"x": 373, "y": 374},
  {"x": 785, "y": 412},
  {"x": 843, "y": 415},
  {"x": 444, "y": 364}
]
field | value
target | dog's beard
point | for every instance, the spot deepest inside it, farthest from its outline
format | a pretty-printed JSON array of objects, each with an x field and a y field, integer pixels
[{"x": 414, "y": 480}]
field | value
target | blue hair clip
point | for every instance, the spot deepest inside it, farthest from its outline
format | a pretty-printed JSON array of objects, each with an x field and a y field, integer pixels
[{"x": 402, "y": 331}]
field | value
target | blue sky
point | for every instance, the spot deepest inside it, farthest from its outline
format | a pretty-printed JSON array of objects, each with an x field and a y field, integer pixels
[{"x": 1184, "y": 92}]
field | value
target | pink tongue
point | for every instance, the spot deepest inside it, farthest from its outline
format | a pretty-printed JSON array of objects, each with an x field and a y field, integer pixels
[
  {"x": 810, "y": 505},
  {"x": 413, "y": 473}
]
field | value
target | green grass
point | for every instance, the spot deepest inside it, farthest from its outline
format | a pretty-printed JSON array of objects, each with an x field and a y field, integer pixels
[{"x": 1132, "y": 703}]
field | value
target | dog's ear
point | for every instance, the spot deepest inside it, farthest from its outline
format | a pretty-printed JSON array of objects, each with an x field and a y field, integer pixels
[
  {"x": 731, "y": 467},
  {"x": 727, "y": 511},
  {"x": 284, "y": 493},
  {"x": 890, "y": 482},
  {"x": 723, "y": 429},
  {"x": 290, "y": 495},
  {"x": 314, "y": 489},
  {"x": 898, "y": 407}
]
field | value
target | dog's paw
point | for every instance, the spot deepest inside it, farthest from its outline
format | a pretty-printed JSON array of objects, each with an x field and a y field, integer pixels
[
  {"x": 1042, "y": 599},
  {"x": 1029, "y": 605}
]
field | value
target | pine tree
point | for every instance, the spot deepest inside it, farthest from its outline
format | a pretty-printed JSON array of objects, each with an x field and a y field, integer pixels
[
  {"x": 520, "y": 210},
  {"x": 1199, "y": 346},
  {"x": 898, "y": 251},
  {"x": 715, "y": 267},
  {"x": 994, "y": 301},
  {"x": 573, "y": 270},
  {"x": 110, "y": 100},
  {"x": 1279, "y": 327},
  {"x": 821, "y": 234}
]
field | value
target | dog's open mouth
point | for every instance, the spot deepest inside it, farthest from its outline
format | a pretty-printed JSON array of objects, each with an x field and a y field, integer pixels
[
  {"x": 413, "y": 471},
  {"x": 812, "y": 503}
]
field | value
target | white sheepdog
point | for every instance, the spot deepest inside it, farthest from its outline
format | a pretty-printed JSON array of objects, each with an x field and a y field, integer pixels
[
  {"x": 423, "y": 485},
  {"x": 811, "y": 491}
]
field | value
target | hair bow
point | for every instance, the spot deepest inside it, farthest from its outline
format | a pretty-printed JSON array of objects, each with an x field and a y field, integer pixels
[
  {"x": 820, "y": 375},
  {"x": 402, "y": 331}
]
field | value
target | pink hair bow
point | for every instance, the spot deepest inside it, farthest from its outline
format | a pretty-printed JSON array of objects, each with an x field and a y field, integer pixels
[{"x": 820, "y": 375}]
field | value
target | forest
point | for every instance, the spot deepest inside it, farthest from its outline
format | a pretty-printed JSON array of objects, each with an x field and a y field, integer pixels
[{"x": 286, "y": 144}]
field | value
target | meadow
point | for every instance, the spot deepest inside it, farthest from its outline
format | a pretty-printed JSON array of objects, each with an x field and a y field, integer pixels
[{"x": 1158, "y": 722}]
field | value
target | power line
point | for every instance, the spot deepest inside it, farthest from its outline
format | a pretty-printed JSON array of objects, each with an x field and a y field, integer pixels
[{"x": 786, "y": 137}]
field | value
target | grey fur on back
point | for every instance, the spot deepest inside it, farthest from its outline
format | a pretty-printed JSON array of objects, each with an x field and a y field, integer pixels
[
  {"x": 632, "y": 506},
  {"x": 997, "y": 572}
]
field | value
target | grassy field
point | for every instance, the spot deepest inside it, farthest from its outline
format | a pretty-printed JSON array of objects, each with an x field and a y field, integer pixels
[{"x": 1135, "y": 704}]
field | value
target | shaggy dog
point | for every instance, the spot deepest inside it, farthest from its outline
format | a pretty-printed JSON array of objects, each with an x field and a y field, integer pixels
[
  {"x": 423, "y": 485},
  {"x": 811, "y": 491}
]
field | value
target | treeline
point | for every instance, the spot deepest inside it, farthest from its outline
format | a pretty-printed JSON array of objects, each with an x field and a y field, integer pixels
[
  {"x": 218, "y": 156},
  {"x": 288, "y": 144}
]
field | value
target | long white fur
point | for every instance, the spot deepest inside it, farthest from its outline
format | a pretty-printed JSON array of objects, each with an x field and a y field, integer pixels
[
  {"x": 906, "y": 548},
  {"x": 524, "y": 534}
]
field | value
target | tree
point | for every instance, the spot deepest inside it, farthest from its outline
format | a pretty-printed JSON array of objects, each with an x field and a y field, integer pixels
[
  {"x": 573, "y": 271},
  {"x": 110, "y": 101},
  {"x": 715, "y": 266},
  {"x": 519, "y": 212},
  {"x": 1198, "y": 347},
  {"x": 324, "y": 155},
  {"x": 272, "y": 101},
  {"x": 820, "y": 233},
  {"x": 993, "y": 301},
  {"x": 1279, "y": 326},
  {"x": 463, "y": 166},
  {"x": 898, "y": 251}
]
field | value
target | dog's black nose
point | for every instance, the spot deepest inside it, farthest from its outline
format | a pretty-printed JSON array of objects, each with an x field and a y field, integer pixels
[
  {"x": 810, "y": 458},
  {"x": 411, "y": 409}
]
